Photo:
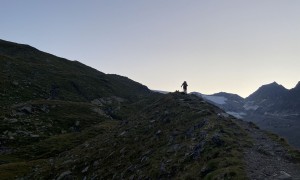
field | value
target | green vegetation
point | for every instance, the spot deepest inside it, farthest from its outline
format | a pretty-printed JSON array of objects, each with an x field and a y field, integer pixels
[
  {"x": 293, "y": 153},
  {"x": 63, "y": 119}
]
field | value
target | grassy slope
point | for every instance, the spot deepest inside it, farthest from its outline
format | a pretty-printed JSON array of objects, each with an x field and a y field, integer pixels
[
  {"x": 28, "y": 74},
  {"x": 27, "y": 77},
  {"x": 166, "y": 136},
  {"x": 143, "y": 135}
]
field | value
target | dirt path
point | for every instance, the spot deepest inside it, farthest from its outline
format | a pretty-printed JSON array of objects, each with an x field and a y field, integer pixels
[{"x": 267, "y": 159}]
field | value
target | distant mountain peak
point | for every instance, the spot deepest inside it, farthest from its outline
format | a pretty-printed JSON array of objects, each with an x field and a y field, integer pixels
[
  {"x": 298, "y": 85},
  {"x": 273, "y": 85},
  {"x": 268, "y": 91}
]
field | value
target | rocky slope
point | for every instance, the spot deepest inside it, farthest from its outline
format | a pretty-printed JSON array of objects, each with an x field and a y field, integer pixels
[{"x": 63, "y": 120}]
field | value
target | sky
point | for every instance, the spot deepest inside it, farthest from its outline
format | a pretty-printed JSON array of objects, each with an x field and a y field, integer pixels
[{"x": 215, "y": 45}]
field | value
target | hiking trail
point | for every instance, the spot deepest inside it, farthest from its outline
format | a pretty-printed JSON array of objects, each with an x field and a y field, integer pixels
[{"x": 267, "y": 159}]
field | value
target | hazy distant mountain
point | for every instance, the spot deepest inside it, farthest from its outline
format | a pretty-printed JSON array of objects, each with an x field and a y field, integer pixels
[
  {"x": 271, "y": 91},
  {"x": 268, "y": 99},
  {"x": 275, "y": 99},
  {"x": 272, "y": 107},
  {"x": 231, "y": 103}
]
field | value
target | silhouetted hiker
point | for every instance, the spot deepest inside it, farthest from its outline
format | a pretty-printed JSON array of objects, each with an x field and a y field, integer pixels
[{"x": 184, "y": 85}]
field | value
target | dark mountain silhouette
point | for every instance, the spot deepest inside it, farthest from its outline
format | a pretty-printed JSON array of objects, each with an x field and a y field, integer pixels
[
  {"x": 275, "y": 99},
  {"x": 29, "y": 73},
  {"x": 271, "y": 92},
  {"x": 61, "y": 119}
]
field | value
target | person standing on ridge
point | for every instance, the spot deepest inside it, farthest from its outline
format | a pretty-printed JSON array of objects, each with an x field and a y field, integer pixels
[{"x": 184, "y": 85}]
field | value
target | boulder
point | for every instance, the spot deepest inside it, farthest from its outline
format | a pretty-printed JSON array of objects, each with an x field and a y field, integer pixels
[
  {"x": 284, "y": 176},
  {"x": 85, "y": 169},
  {"x": 97, "y": 102},
  {"x": 63, "y": 175},
  {"x": 15, "y": 83},
  {"x": 27, "y": 109}
]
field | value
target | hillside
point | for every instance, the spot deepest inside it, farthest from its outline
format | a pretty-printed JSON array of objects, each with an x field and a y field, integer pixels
[
  {"x": 27, "y": 74},
  {"x": 61, "y": 119}
]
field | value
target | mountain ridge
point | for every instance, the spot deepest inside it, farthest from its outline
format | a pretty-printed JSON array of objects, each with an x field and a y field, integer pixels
[
  {"x": 61, "y": 119},
  {"x": 271, "y": 106}
]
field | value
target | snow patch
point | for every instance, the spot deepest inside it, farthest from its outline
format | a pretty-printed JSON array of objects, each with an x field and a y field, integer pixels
[
  {"x": 215, "y": 99},
  {"x": 250, "y": 106},
  {"x": 238, "y": 115}
]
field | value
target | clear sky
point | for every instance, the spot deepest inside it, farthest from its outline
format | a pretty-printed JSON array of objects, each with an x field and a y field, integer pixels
[{"x": 215, "y": 45}]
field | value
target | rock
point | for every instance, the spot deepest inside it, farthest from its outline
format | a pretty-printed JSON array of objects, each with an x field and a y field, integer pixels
[
  {"x": 14, "y": 113},
  {"x": 86, "y": 145},
  {"x": 51, "y": 162},
  {"x": 85, "y": 169},
  {"x": 77, "y": 123},
  {"x": 67, "y": 162},
  {"x": 118, "y": 99},
  {"x": 96, "y": 163},
  {"x": 197, "y": 150},
  {"x": 189, "y": 133},
  {"x": 34, "y": 135},
  {"x": 97, "y": 102},
  {"x": 217, "y": 140},
  {"x": 26, "y": 133},
  {"x": 162, "y": 167},
  {"x": 205, "y": 170},
  {"x": 45, "y": 109},
  {"x": 131, "y": 177},
  {"x": 15, "y": 83},
  {"x": 225, "y": 115},
  {"x": 124, "y": 122},
  {"x": 63, "y": 175},
  {"x": 284, "y": 175},
  {"x": 26, "y": 109},
  {"x": 99, "y": 111},
  {"x": 11, "y": 135},
  {"x": 123, "y": 150},
  {"x": 106, "y": 101},
  {"x": 11, "y": 120},
  {"x": 144, "y": 158},
  {"x": 147, "y": 152},
  {"x": 123, "y": 133},
  {"x": 174, "y": 148},
  {"x": 200, "y": 124},
  {"x": 158, "y": 132}
]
